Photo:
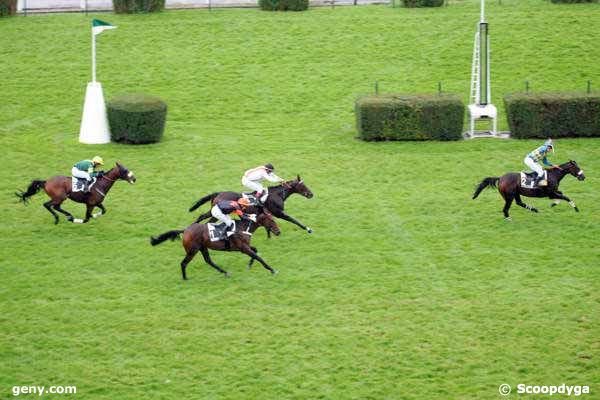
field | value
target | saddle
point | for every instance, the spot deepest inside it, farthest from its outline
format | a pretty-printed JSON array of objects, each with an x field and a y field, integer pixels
[
  {"x": 528, "y": 179},
  {"x": 78, "y": 184},
  {"x": 251, "y": 198},
  {"x": 217, "y": 232}
]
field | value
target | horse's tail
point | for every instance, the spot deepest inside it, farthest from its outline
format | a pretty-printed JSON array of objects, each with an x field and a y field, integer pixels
[
  {"x": 489, "y": 181},
  {"x": 162, "y": 237},
  {"x": 203, "y": 200},
  {"x": 33, "y": 188}
]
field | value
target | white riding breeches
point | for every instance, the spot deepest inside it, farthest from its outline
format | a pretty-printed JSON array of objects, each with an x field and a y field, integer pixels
[
  {"x": 252, "y": 185},
  {"x": 77, "y": 173},
  {"x": 534, "y": 166},
  {"x": 218, "y": 214}
]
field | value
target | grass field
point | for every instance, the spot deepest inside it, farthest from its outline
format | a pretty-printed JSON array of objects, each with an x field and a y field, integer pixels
[{"x": 407, "y": 289}]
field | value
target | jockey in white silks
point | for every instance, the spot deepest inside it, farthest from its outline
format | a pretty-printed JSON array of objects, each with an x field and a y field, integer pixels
[
  {"x": 532, "y": 160},
  {"x": 254, "y": 176}
]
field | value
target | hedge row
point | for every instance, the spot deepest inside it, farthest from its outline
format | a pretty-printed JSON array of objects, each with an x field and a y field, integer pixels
[
  {"x": 422, "y": 3},
  {"x": 574, "y": 1},
  {"x": 136, "y": 118},
  {"x": 553, "y": 114},
  {"x": 283, "y": 5},
  {"x": 410, "y": 117},
  {"x": 135, "y": 6},
  {"x": 8, "y": 7}
]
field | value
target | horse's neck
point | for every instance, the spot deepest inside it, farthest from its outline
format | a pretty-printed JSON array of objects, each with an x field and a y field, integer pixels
[
  {"x": 560, "y": 173},
  {"x": 244, "y": 224},
  {"x": 106, "y": 182},
  {"x": 283, "y": 192}
]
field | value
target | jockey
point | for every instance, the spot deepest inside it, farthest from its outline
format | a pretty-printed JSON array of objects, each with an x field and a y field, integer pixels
[
  {"x": 254, "y": 176},
  {"x": 532, "y": 160},
  {"x": 85, "y": 169},
  {"x": 222, "y": 209}
]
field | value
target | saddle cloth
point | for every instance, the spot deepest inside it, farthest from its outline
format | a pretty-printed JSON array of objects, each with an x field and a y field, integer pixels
[
  {"x": 251, "y": 198},
  {"x": 528, "y": 179},
  {"x": 77, "y": 184},
  {"x": 216, "y": 232}
]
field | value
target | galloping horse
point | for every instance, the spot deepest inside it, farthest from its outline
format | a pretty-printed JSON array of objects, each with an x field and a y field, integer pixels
[
  {"x": 510, "y": 188},
  {"x": 58, "y": 188},
  {"x": 274, "y": 203},
  {"x": 196, "y": 238}
]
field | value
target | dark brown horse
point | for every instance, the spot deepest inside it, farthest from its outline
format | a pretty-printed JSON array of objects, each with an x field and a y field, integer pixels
[
  {"x": 196, "y": 238},
  {"x": 274, "y": 203},
  {"x": 510, "y": 188},
  {"x": 58, "y": 188}
]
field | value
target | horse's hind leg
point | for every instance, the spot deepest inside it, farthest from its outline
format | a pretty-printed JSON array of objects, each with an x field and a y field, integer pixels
[
  {"x": 186, "y": 261},
  {"x": 203, "y": 216},
  {"x": 254, "y": 249},
  {"x": 526, "y": 206},
  {"x": 64, "y": 212},
  {"x": 210, "y": 262},
  {"x": 48, "y": 206},
  {"x": 508, "y": 201}
]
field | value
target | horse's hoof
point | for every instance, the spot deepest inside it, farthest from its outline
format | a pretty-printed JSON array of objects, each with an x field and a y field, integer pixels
[
  {"x": 274, "y": 272},
  {"x": 576, "y": 209},
  {"x": 507, "y": 218},
  {"x": 226, "y": 275},
  {"x": 553, "y": 205},
  {"x": 309, "y": 230},
  {"x": 535, "y": 210},
  {"x": 70, "y": 218},
  {"x": 55, "y": 222}
]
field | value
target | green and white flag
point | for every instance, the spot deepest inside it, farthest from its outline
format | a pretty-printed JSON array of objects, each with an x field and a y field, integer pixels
[{"x": 100, "y": 26}]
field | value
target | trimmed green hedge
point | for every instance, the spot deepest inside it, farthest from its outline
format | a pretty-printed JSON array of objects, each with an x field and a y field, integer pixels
[
  {"x": 8, "y": 7},
  {"x": 422, "y": 3},
  {"x": 283, "y": 5},
  {"x": 136, "y": 118},
  {"x": 410, "y": 117},
  {"x": 136, "y": 6},
  {"x": 574, "y": 1},
  {"x": 553, "y": 114}
]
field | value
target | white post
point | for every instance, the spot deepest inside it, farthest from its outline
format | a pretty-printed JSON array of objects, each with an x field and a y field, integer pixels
[
  {"x": 93, "y": 57},
  {"x": 482, "y": 11}
]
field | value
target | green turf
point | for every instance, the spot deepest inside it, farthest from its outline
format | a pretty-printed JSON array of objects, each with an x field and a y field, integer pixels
[{"x": 407, "y": 288}]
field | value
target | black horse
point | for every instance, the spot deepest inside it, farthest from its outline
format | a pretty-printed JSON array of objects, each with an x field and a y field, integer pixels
[
  {"x": 274, "y": 203},
  {"x": 510, "y": 188}
]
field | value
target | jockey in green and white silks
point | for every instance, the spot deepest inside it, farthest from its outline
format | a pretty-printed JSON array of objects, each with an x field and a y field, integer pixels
[
  {"x": 533, "y": 159},
  {"x": 85, "y": 169}
]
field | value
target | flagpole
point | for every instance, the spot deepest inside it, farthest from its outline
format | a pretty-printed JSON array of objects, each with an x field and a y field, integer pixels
[{"x": 93, "y": 57}]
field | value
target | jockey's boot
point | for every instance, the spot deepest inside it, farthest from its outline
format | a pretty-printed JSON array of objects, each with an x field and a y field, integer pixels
[
  {"x": 263, "y": 199},
  {"x": 86, "y": 186}
]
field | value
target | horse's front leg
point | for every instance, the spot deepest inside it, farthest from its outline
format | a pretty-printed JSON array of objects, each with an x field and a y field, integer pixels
[
  {"x": 247, "y": 250},
  {"x": 558, "y": 195},
  {"x": 102, "y": 211},
  {"x": 291, "y": 219},
  {"x": 88, "y": 212}
]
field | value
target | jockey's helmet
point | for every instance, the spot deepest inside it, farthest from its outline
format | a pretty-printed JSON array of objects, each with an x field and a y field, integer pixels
[
  {"x": 550, "y": 144},
  {"x": 270, "y": 167},
  {"x": 98, "y": 160},
  {"x": 243, "y": 202}
]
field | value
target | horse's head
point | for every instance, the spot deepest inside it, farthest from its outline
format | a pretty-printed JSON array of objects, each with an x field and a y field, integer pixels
[
  {"x": 126, "y": 174},
  {"x": 266, "y": 220},
  {"x": 574, "y": 170},
  {"x": 297, "y": 186}
]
